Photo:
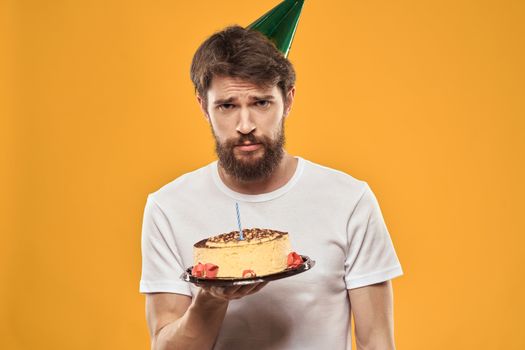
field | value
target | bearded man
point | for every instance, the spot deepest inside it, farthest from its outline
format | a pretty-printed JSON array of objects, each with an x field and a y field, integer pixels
[{"x": 246, "y": 88}]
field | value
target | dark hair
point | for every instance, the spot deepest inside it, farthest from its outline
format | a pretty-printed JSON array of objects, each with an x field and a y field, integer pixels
[{"x": 240, "y": 53}]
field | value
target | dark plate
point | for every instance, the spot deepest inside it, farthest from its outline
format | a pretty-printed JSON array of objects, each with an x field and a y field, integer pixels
[{"x": 224, "y": 282}]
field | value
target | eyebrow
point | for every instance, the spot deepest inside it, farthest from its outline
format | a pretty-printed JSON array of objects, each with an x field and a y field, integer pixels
[
  {"x": 224, "y": 101},
  {"x": 265, "y": 97},
  {"x": 254, "y": 98}
]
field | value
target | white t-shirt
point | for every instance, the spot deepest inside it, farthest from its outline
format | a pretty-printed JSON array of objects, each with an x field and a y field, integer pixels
[{"x": 330, "y": 216}]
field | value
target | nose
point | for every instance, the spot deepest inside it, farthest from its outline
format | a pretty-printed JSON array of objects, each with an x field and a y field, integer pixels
[{"x": 245, "y": 124}]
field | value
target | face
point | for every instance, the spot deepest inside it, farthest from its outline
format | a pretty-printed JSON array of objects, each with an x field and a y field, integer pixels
[{"x": 247, "y": 122}]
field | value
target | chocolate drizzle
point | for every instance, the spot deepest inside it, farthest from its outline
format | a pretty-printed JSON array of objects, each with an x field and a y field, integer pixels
[{"x": 251, "y": 235}]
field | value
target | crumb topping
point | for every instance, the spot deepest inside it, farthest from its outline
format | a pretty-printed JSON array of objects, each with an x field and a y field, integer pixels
[{"x": 251, "y": 236}]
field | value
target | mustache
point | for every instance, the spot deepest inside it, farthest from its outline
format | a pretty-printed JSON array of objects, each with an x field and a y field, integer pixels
[{"x": 251, "y": 138}]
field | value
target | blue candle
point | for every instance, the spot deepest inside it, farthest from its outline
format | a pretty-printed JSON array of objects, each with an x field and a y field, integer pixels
[{"x": 241, "y": 237}]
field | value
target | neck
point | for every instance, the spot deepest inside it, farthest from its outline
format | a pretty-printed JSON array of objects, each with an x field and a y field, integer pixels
[{"x": 278, "y": 178}]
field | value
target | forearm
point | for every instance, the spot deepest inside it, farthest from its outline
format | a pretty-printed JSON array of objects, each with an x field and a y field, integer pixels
[
  {"x": 376, "y": 342},
  {"x": 373, "y": 312},
  {"x": 197, "y": 328},
  {"x": 377, "y": 333}
]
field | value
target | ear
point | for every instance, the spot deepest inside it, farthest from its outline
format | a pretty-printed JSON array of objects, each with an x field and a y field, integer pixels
[
  {"x": 289, "y": 101},
  {"x": 203, "y": 106}
]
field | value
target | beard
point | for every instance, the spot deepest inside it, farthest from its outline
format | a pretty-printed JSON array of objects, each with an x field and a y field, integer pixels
[{"x": 256, "y": 167}]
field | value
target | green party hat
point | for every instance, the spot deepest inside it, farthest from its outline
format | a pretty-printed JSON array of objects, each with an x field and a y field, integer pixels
[{"x": 279, "y": 24}]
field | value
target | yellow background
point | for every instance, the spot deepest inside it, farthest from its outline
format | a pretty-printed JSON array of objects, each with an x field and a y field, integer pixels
[{"x": 424, "y": 100}]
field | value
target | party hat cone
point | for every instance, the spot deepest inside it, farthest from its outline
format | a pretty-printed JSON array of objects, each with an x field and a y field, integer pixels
[{"x": 279, "y": 24}]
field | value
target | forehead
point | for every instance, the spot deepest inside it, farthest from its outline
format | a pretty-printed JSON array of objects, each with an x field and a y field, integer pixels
[{"x": 228, "y": 87}]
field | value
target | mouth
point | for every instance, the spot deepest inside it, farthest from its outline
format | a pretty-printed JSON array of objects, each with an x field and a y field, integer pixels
[{"x": 249, "y": 147}]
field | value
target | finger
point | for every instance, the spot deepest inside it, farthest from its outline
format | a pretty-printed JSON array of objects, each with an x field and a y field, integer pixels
[
  {"x": 229, "y": 291},
  {"x": 248, "y": 289},
  {"x": 242, "y": 291},
  {"x": 223, "y": 292},
  {"x": 212, "y": 291},
  {"x": 218, "y": 291},
  {"x": 258, "y": 287}
]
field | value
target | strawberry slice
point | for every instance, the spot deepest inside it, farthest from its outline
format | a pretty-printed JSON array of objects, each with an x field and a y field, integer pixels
[
  {"x": 294, "y": 260},
  {"x": 198, "y": 270},
  {"x": 248, "y": 273},
  {"x": 211, "y": 270}
]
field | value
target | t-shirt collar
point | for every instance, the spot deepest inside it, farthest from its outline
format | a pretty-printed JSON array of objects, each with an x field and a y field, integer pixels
[{"x": 263, "y": 197}]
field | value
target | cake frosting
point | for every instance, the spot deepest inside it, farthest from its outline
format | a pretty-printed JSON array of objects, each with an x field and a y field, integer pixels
[{"x": 260, "y": 252}]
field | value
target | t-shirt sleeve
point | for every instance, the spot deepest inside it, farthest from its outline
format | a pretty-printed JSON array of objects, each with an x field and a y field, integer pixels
[
  {"x": 371, "y": 257},
  {"x": 161, "y": 261}
]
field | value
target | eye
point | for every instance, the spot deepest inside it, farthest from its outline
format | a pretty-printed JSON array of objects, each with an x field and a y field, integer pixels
[
  {"x": 226, "y": 106},
  {"x": 262, "y": 103}
]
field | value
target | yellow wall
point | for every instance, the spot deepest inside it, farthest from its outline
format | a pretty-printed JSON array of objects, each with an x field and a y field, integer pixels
[{"x": 422, "y": 99}]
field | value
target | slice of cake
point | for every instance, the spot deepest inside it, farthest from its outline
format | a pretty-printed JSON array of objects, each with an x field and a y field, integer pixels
[{"x": 261, "y": 252}]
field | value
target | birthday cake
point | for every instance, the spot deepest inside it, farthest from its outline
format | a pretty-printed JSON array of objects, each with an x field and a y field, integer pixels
[{"x": 260, "y": 252}]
